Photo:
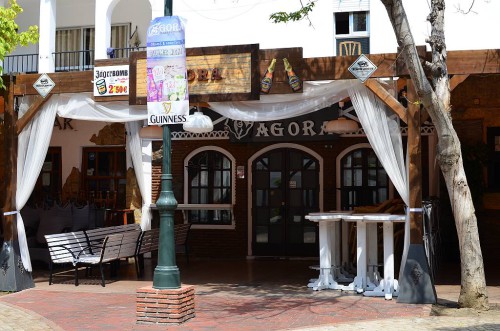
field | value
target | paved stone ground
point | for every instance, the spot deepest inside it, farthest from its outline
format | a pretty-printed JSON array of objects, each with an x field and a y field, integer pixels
[
  {"x": 242, "y": 309},
  {"x": 235, "y": 300}
]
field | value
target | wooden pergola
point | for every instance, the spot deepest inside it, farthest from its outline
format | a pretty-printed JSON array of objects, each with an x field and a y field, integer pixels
[{"x": 460, "y": 64}]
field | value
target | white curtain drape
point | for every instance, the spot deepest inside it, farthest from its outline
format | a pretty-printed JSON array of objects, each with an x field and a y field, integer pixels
[
  {"x": 381, "y": 126},
  {"x": 33, "y": 143},
  {"x": 135, "y": 149},
  {"x": 35, "y": 138},
  {"x": 316, "y": 95},
  {"x": 81, "y": 106},
  {"x": 382, "y": 129}
]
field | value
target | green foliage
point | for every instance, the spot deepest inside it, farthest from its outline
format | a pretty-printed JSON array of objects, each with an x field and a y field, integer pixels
[
  {"x": 10, "y": 38},
  {"x": 283, "y": 17}
]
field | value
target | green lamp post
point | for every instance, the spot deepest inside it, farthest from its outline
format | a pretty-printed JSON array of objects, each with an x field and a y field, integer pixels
[{"x": 166, "y": 274}]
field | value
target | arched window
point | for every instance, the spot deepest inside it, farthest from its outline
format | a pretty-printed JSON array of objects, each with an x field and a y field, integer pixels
[
  {"x": 209, "y": 182},
  {"x": 363, "y": 179}
]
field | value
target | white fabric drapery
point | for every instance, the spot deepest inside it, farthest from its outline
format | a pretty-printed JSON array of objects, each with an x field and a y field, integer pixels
[
  {"x": 379, "y": 126},
  {"x": 33, "y": 143},
  {"x": 135, "y": 149},
  {"x": 316, "y": 95},
  {"x": 81, "y": 106}
]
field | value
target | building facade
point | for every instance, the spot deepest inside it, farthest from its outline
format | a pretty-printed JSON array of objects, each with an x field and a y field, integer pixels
[{"x": 246, "y": 187}]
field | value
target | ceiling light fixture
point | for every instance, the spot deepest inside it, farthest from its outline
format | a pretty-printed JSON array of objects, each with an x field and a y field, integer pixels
[
  {"x": 341, "y": 125},
  {"x": 198, "y": 123}
]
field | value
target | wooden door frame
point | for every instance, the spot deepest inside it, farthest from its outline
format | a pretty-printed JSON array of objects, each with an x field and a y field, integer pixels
[{"x": 250, "y": 162}]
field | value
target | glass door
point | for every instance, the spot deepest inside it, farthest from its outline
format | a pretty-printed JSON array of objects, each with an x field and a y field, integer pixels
[
  {"x": 105, "y": 175},
  {"x": 285, "y": 189}
]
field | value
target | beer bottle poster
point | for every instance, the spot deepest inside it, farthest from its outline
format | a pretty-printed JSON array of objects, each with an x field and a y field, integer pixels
[{"x": 167, "y": 85}]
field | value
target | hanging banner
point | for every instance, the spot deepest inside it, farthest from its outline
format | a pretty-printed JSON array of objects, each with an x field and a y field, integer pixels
[{"x": 167, "y": 84}]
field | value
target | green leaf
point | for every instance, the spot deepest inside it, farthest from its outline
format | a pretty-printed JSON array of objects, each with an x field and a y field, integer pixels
[{"x": 283, "y": 17}]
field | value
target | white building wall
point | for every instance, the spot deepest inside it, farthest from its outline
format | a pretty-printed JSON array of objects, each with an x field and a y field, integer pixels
[
  {"x": 229, "y": 22},
  {"x": 351, "y": 5},
  {"x": 71, "y": 142},
  {"x": 462, "y": 32},
  {"x": 135, "y": 12}
]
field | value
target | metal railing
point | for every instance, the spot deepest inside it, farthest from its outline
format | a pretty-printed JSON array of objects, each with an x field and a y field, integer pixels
[
  {"x": 26, "y": 63},
  {"x": 64, "y": 61}
]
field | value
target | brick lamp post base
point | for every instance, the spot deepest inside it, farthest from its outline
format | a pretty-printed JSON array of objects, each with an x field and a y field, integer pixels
[{"x": 169, "y": 307}]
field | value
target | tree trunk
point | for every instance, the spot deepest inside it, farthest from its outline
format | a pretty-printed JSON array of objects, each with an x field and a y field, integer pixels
[{"x": 436, "y": 101}]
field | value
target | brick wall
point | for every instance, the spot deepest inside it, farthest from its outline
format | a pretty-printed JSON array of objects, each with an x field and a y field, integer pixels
[
  {"x": 171, "y": 306},
  {"x": 233, "y": 243}
]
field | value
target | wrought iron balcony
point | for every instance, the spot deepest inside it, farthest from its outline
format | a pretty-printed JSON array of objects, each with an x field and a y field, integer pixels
[{"x": 64, "y": 61}]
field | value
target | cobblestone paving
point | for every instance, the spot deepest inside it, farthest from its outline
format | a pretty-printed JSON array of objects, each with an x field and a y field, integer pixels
[{"x": 249, "y": 311}]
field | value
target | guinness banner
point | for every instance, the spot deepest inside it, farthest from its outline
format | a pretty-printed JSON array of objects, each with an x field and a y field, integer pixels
[{"x": 167, "y": 84}]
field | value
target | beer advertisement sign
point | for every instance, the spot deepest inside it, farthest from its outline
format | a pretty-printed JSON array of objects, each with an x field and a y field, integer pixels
[
  {"x": 111, "y": 81},
  {"x": 167, "y": 84}
]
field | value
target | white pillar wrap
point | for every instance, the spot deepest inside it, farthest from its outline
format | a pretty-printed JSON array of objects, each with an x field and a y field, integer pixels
[{"x": 47, "y": 42}]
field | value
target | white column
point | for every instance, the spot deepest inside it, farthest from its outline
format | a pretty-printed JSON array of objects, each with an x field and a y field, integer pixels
[
  {"x": 361, "y": 255},
  {"x": 47, "y": 41},
  {"x": 372, "y": 252},
  {"x": 388, "y": 260},
  {"x": 325, "y": 252},
  {"x": 103, "y": 12}
]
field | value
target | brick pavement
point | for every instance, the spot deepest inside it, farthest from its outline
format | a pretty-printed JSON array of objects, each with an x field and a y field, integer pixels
[
  {"x": 244, "y": 309},
  {"x": 226, "y": 301}
]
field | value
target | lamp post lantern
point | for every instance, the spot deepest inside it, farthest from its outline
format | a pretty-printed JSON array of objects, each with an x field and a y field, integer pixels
[{"x": 166, "y": 274}]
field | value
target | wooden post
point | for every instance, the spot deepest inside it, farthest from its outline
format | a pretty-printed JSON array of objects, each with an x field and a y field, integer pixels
[
  {"x": 13, "y": 276},
  {"x": 415, "y": 282},
  {"x": 414, "y": 166},
  {"x": 10, "y": 154}
]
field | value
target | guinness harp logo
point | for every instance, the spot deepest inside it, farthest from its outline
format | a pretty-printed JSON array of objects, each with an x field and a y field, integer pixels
[{"x": 167, "y": 107}]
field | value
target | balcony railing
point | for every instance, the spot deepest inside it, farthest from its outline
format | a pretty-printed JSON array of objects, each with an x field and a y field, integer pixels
[
  {"x": 64, "y": 61},
  {"x": 27, "y": 63}
]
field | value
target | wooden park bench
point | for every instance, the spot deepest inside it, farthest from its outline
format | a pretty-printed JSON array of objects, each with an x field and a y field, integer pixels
[
  {"x": 181, "y": 236},
  {"x": 88, "y": 247},
  {"x": 150, "y": 239},
  {"x": 97, "y": 235},
  {"x": 148, "y": 242},
  {"x": 64, "y": 248},
  {"x": 97, "y": 247}
]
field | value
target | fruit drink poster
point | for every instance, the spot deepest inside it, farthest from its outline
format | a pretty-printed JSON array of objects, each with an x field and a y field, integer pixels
[{"x": 167, "y": 84}]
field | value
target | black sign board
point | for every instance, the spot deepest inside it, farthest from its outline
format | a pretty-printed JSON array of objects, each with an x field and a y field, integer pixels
[{"x": 309, "y": 127}]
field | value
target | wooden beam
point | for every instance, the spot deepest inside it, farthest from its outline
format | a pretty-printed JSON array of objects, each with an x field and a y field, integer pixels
[
  {"x": 415, "y": 168},
  {"x": 10, "y": 155},
  {"x": 458, "y": 63},
  {"x": 321, "y": 68},
  {"x": 65, "y": 82},
  {"x": 28, "y": 116},
  {"x": 374, "y": 86},
  {"x": 456, "y": 80}
]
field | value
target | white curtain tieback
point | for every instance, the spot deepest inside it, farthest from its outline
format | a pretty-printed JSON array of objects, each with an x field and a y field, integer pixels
[{"x": 7, "y": 213}]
